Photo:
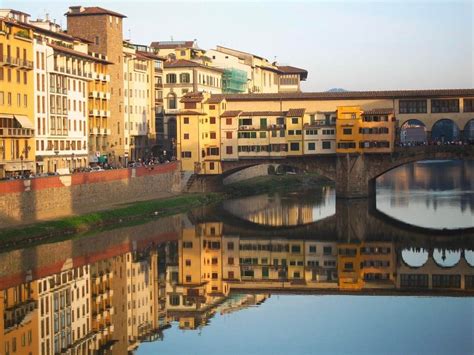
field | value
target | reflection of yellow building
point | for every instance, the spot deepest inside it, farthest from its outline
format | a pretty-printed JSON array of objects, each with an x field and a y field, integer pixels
[
  {"x": 370, "y": 264},
  {"x": 19, "y": 320},
  {"x": 17, "y": 146},
  {"x": 358, "y": 131}
]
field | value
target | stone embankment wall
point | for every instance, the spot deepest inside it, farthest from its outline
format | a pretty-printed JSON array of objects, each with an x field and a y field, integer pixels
[{"x": 28, "y": 201}]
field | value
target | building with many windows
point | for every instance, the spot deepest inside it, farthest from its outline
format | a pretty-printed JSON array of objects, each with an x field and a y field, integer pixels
[{"x": 17, "y": 130}]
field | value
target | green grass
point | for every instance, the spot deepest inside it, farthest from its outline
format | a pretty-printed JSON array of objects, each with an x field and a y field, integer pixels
[
  {"x": 129, "y": 214},
  {"x": 274, "y": 183}
]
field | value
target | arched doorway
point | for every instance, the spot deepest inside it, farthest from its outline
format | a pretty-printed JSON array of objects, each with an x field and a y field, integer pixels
[
  {"x": 469, "y": 131},
  {"x": 412, "y": 132},
  {"x": 445, "y": 130}
]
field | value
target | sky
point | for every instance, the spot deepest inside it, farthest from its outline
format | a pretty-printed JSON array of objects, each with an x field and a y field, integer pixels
[{"x": 355, "y": 45}]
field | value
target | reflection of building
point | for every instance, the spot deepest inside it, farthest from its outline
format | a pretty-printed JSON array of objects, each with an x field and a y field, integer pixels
[
  {"x": 19, "y": 319},
  {"x": 370, "y": 265},
  {"x": 65, "y": 316}
]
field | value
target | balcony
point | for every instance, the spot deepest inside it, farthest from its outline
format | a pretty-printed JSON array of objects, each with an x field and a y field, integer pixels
[
  {"x": 94, "y": 94},
  {"x": 94, "y": 131},
  {"x": 16, "y": 132}
]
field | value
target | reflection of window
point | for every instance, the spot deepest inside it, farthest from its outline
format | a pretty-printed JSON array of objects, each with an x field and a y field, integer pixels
[
  {"x": 326, "y": 145},
  {"x": 174, "y": 300}
]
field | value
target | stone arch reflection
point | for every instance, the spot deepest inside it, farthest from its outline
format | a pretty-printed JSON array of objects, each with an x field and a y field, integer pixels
[
  {"x": 415, "y": 257},
  {"x": 446, "y": 258},
  {"x": 276, "y": 210},
  {"x": 469, "y": 256}
]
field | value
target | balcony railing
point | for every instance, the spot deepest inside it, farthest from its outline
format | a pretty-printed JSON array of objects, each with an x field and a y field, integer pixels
[
  {"x": 16, "y": 132},
  {"x": 16, "y": 62}
]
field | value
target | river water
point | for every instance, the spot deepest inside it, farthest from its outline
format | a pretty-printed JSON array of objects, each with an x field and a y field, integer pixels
[{"x": 281, "y": 273}]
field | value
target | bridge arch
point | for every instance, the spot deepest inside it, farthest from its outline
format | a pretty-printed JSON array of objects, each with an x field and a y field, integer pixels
[
  {"x": 468, "y": 132},
  {"x": 413, "y": 131},
  {"x": 445, "y": 130},
  {"x": 446, "y": 258},
  {"x": 415, "y": 257}
]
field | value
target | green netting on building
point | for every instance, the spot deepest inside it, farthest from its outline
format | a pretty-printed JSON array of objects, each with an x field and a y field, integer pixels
[{"x": 234, "y": 81}]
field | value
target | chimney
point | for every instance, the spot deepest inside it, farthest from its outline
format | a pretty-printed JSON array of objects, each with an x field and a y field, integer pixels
[{"x": 76, "y": 9}]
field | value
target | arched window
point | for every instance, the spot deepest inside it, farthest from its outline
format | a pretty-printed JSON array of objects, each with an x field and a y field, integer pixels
[
  {"x": 184, "y": 78},
  {"x": 172, "y": 101},
  {"x": 171, "y": 78}
]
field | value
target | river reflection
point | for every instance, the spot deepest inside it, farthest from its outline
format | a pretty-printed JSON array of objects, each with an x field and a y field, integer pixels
[
  {"x": 430, "y": 194},
  {"x": 209, "y": 282}
]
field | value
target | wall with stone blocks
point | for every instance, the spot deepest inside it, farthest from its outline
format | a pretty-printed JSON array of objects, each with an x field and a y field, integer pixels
[
  {"x": 245, "y": 174},
  {"x": 28, "y": 201}
]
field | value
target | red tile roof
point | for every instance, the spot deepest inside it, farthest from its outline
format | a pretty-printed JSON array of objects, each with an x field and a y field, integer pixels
[
  {"x": 214, "y": 100},
  {"x": 94, "y": 10},
  {"x": 172, "y": 44},
  {"x": 286, "y": 69},
  {"x": 184, "y": 63},
  {"x": 295, "y": 112},
  {"x": 192, "y": 97},
  {"x": 379, "y": 111},
  {"x": 77, "y": 53},
  {"x": 350, "y": 95},
  {"x": 263, "y": 113},
  {"x": 151, "y": 55},
  {"x": 190, "y": 113},
  {"x": 234, "y": 113}
]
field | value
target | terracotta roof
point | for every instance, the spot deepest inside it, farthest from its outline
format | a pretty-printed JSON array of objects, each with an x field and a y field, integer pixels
[
  {"x": 151, "y": 55},
  {"x": 231, "y": 113},
  {"x": 184, "y": 63},
  {"x": 77, "y": 53},
  {"x": 379, "y": 111},
  {"x": 263, "y": 113},
  {"x": 190, "y": 113},
  {"x": 172, "y": 44},
  {"x": 295, "y": 112},
  {"x": 355, "y": 95},
  {"x": 94, "y": 10},
  {"x": 215, "y": 99},
  {"x": 192, "y": 97},
  {"x": 286, "y": 69}
]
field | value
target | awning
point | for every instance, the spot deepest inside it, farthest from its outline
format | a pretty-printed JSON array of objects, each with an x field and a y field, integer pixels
[
  {"x": 17, "y": 166},
  {"x": 24, "y": 121}
]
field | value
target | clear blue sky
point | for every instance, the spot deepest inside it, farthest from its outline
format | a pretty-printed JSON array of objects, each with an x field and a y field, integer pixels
[{"x": 356, "y": 45}]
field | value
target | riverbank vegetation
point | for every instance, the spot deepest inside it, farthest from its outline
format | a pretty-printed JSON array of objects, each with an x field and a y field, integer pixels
[{"x": 135, "y": 213}]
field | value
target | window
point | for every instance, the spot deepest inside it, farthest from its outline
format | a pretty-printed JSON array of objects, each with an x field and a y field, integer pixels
[
  {"x": 212, "y": 120},
  {"x": 186, "y": 136},
  {"x": 211, "y": 166},
  {"x": 213, "y": 135},
  {"x": 412, "y": 106},
  {"x": 263, "y": 123},
  {"x": 174, "y": 300},
  {"x": 228, "y": 150},
  {"x": 230, "y": 245},
  {"x": 311, "y": 146},
  {"x": 228, "y": 135},
  {"x": 294, "y": 120},
  {"x": 347, "y": 131},
  {"x": 468, "y": 105},
  {"x": 228, "y": 121},
  {"x": 171, "y": 78},
  {"x": 295, "y": 249},
  {"x": 185, "y": 154},
  {"x": 326, "y": 145},
  {"x": 263, "y": 135},
  {"x": 346, "y": 145},
  {"x": 187, "y": 245},
  {"x": 312, "y": 248},
  {"x": 294, "y": 146},
  {"x": 184, "y": 77},
  {"x": 445, "y": 105},
  {"x": 186, "y": 120},
  {"x": 188, "y": 278},
  {"x": 172, "y": 102}
]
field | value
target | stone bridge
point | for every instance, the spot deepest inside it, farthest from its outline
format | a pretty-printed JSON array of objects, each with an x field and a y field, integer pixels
[
  {"x": 354, "y": 174},
  {"x": 355, "y": 220}
]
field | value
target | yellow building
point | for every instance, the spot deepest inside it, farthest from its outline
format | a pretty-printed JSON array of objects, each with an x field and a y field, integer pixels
[
  {"x": 359, "y": 131},
  {"x": 99, "y": 108},
  {"x": 17, "y": 145},
  {"x": 19, "y": 319}
]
